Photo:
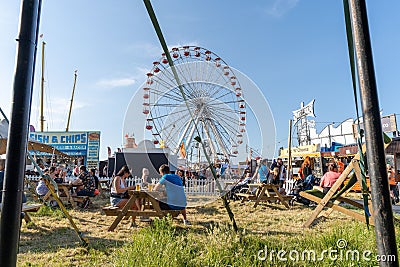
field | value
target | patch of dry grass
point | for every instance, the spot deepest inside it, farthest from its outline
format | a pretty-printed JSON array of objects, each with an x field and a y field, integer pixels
[{"x": 51, "y": 241}]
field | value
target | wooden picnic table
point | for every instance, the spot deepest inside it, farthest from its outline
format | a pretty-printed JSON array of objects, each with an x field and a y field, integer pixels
[
  {"x": 150, "y": 207},
  {"x": 65, "y": 195},
  {"x": 264, "y": 192}
]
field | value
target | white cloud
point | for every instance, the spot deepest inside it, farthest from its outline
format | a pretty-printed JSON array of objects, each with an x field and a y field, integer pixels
[
  {"x": 281, "y": 7},
  {"x": 146, "y": 50},
  {"x": 112, "y": 83}
]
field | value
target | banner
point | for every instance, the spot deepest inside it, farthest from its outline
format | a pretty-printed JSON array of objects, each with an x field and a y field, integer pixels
[
  {"x": 307, "y": 110},
  {"x": 389, "y": 125},
  {"x": 301, "y": 151}
]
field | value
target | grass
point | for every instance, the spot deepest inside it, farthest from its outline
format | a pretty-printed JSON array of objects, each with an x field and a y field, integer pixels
[{"x": 209, "y": 241}]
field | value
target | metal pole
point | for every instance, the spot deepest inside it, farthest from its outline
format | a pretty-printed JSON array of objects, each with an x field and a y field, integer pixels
[
  {"x": 382, "y": 208},
  {"x": 289, "y": 169},
  {"x": 72, "y": 100},
  {"x": 42, "y": 92},
  {"x": 18, "y": 132}
]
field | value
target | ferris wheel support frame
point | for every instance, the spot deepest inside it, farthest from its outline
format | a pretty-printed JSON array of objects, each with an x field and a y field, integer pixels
[
  {"x": 219, "y": 140},
  {"x": 182, "y": 136},
  {"x": 213, "y": 151},
  {"x": 190, "y": 136}
]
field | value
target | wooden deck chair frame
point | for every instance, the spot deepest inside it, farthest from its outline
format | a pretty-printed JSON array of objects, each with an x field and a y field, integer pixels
[{"x": 327, "y": 201}]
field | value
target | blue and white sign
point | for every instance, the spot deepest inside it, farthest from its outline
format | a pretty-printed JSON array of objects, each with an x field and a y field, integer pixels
[{"x": 86, "y": 144}]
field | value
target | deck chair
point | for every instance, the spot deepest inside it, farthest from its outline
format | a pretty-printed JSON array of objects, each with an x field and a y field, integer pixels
[{"x": 334, "y": 196}]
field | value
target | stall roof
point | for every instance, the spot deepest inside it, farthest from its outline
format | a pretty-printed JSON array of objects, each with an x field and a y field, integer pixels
[{"x": 33, "y": 145}]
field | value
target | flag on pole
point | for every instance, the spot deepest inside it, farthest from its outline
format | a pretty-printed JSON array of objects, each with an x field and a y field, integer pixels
[
  {"x": 182, "y": 149},
  {"x": 162, "y": 144}
]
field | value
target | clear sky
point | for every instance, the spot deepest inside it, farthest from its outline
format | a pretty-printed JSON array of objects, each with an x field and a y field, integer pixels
[{"x": 293, "y": 50}]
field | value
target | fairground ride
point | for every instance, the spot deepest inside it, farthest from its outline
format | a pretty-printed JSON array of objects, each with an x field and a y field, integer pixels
[{"x": 214, "y": 110}]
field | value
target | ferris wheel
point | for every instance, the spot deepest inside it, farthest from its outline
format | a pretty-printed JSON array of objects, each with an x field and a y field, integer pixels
[{"x": 215, "y": 109}]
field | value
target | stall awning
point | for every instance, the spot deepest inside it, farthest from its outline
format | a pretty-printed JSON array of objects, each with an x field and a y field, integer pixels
[{"x": 33, "y": 146}]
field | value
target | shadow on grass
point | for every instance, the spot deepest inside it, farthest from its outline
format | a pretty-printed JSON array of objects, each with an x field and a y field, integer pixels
[
  {"x": 207, "y": 210},
  {"x": 50, "y": 241}
]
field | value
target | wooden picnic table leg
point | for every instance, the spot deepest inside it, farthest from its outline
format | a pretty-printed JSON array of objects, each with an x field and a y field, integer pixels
[
  {"x": 329, "y": 195},
  {"x": 280, "y": 197},
  {"x": 122, "y": 213},
  {"x": 27, "y": 218},
  {"x": 260, "y": 195},
  {"x": 69, "y": 197},
  {"x": 47, "y": 196},
  {"x": 156, "y": 206}
]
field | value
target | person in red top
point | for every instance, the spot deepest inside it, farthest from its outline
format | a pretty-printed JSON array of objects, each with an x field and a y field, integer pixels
[
  {"x": 329, "y": 178},
  {"x": 339, "y": 164},
  {"x": 394, "y": 193}
]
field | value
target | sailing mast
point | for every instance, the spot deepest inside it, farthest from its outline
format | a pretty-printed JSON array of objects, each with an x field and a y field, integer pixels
[
  {"x": 42, "y": 92},
  {"x": 72, "y": 100}
]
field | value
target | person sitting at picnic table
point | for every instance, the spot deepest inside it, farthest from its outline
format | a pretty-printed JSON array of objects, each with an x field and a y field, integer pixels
[
  {"x": 263, "y": 171},
  {"x": 86, "y": 183},
  {"x": 41, "y": 188},
  {"x": 145, "y": 177},
  {"x": 58, "y": 174},
  {"x": 181, "y": 174},
  {"x": 329, "y": 178},
  {"x": 243, "y": 183},
  {"x": 96, "y": 180},
  {"x": 119, "y": 192},
  {"x": 176, "y": 198}
]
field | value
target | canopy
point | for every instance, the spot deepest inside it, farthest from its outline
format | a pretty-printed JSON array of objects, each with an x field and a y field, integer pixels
[{"x": 35, "y": 146}]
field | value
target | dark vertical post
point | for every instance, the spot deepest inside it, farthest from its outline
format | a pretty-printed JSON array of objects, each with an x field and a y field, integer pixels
[
  {"x": 18, "y": 132},
  {"x": 382, "y": 208}
]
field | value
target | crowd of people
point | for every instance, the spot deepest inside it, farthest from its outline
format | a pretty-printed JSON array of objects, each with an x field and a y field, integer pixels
[{"x": 83, "y": 183}]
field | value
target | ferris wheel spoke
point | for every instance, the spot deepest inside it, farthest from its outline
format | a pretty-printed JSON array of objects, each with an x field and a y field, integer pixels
[
  {"x": 222, "y": 107},
  {"x": 169, "y": 114},
  {"x": 227, "y": 127},
  {"x": 165, "y": 105},
  {"x": 221, "y": 96},
  {"x": 222, "y": 115},
  {"x": 162, "y": 95},
  {"x": 213, "y": 103},
  {"x": 164, "y": 81},
  {"x": 224, "y": 132}
]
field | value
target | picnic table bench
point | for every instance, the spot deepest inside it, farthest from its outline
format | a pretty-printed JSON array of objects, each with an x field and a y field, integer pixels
[
  {"x": 150, "y": 207},
  {"x": 26, "y": 208},
  {"x": 264, "y": 193}
]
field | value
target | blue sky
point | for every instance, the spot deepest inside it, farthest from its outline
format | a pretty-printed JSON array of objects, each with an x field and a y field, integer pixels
[{"x": 294, "y": 50}]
